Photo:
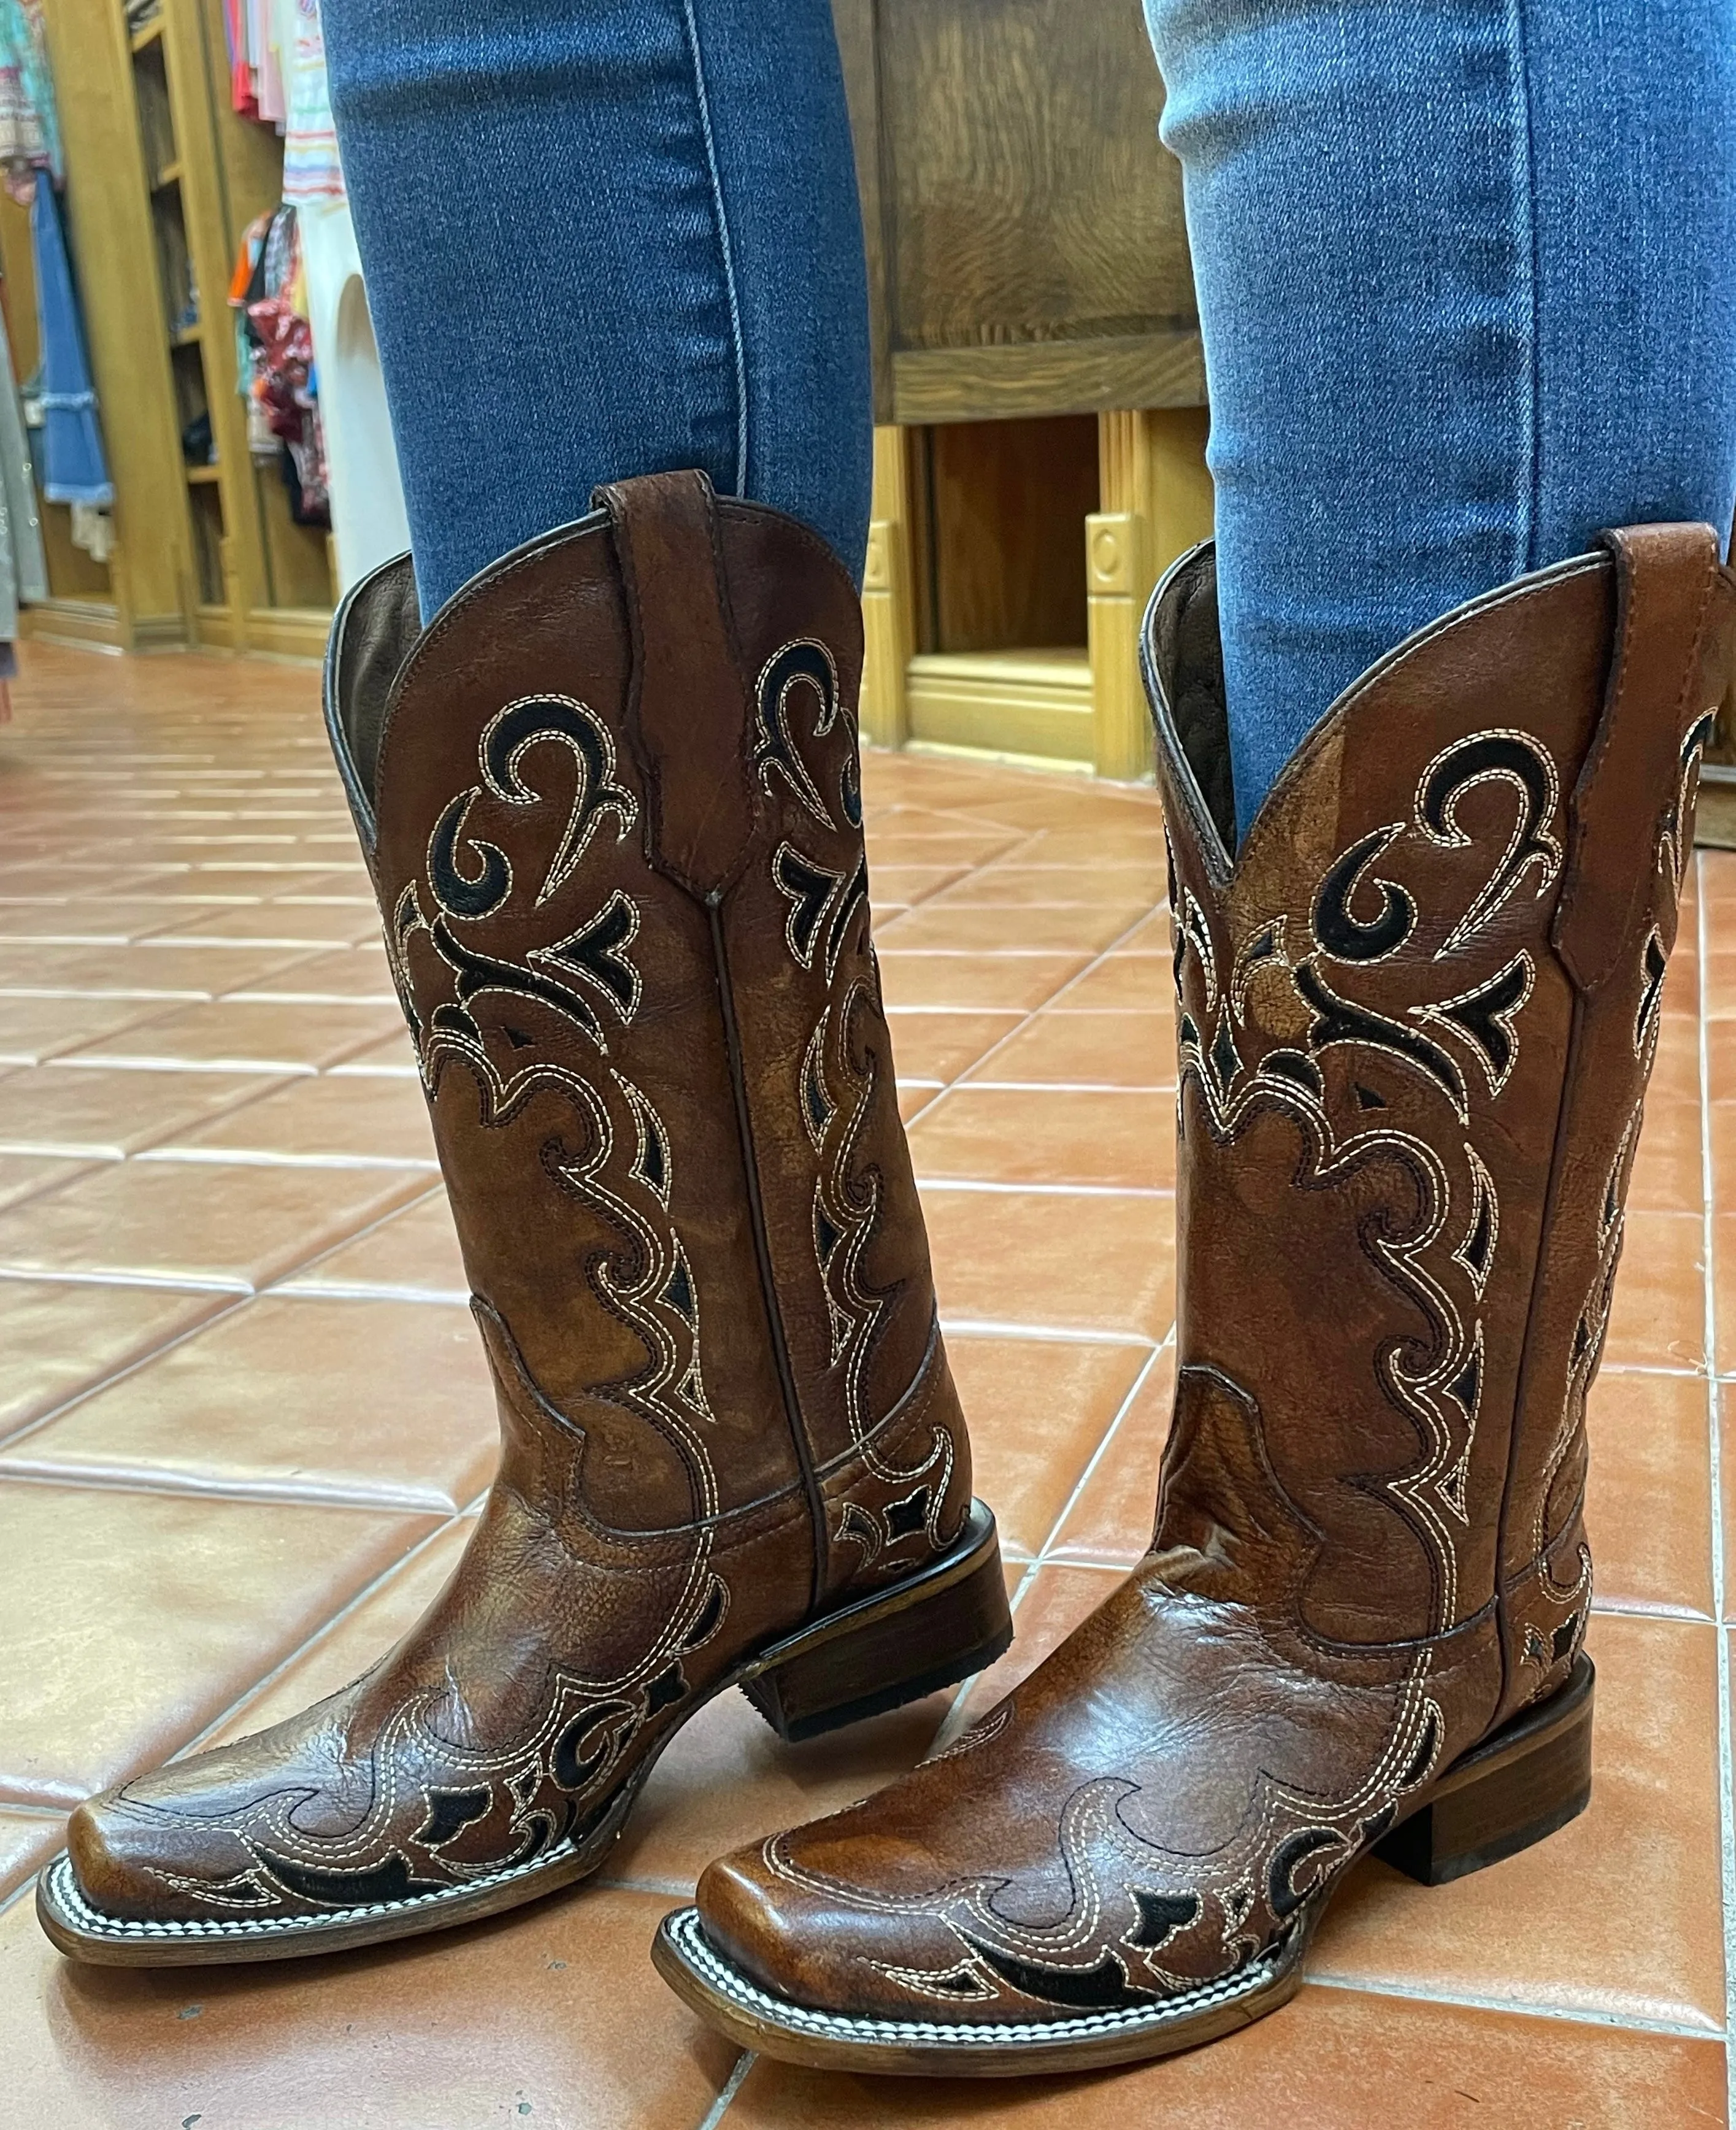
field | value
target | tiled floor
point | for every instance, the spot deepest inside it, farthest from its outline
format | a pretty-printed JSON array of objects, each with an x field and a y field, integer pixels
[{"x": 223, "y": 1237}]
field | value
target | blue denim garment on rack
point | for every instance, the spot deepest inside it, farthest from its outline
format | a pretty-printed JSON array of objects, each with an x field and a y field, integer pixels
[{"x": 73, "y": 467}]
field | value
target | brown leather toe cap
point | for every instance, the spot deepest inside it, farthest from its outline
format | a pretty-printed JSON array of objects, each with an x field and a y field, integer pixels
[
  {"x": 774, "y": 1922},
  {"x": 141, "y": 1852}
]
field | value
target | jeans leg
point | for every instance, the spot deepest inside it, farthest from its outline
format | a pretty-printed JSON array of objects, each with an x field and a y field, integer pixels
[
  {"x": 606, "y": 237},
  {"x": 1468, "y": 286}
]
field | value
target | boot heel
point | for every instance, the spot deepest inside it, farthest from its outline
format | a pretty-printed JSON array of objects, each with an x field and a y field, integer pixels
[
  {"x": 944, "y": 1623},
  {"x": 1529, "y": 1779}
]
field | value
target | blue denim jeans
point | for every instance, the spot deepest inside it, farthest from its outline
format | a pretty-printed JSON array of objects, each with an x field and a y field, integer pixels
[
  {"x": 1468, "y": 286},
  {"x": 604, "y": 238},
  {"x": 1467, "y": 273}
]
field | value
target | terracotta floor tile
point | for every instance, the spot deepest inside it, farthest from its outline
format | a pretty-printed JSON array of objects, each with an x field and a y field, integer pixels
[
  {"x": 1669, "y": 1168},
  {"x": 551, "y": 2017},
  {"x": 197, "y": 1222},
  {"x": 1131, "y": 1049},
  {"x": 387, "y": 1401},
  {"x": 160, "y": 966},
  {"x": 29, "y": 1175},
  {"x": 27, "y": 1840},
  {"x": 135, "y": 1619},
  {"x": 29, "y": 970},
  {"x": 1079, "y": 819},
  {"x": 33, "y": 1029},
  {"x": 1723, "y": 1259},
  {"x": 961, "y": 927},
  {"x": 1121, "y": 981},
  {"x": 253, "y": 1034},
  {"x": 391, "y": 1058},
  {"x": 1720, "y": 983},
  {"x": 1109, "y": 1525},
  {"x": 1648, "y": 1506},
  {"x": 414, "y": 1252},
  {"x": 1658, "y": 1319},
  {"x": 340, "y": 1652},
  {"x": 973, "y": 982},
  {"x": 93, "y": 920},
  {"x": 1559, "y": 1924},
  {"x": 1676, "y": 1067},
  {"x": 1332, "y": 2059},
  {"x": 1022, "y": 882},
  {"x": 900, "y": 840},
  {"x": 1037, "y": 1409},
  {"x": 905, "y": 886},
  {"x": 368, "y": 1118},
  {"x": 1682, "y": 986},
  {"x": 61, "y": 1337},
  {"x": 1721, "y": 1131},
  {"x": 727, "y": 1779},
  {"x": 941, "y": 1045},
  {"x": 1123, "y": 1140},
  {"x": 106, "y": 1112},
  {"x": 1050, "y": 1605},
  {"x": 1078, "y": 1263},
  {"x": 297, "y": 922},
  {"x": 348, "y": 972}
]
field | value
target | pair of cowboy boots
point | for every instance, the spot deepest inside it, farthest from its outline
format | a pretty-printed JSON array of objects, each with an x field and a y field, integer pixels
[{"x": 611, "y": 801}]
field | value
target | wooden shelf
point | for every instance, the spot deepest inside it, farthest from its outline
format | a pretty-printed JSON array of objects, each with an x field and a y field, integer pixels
[
  {"x": 1031, "y": 702},
  {"x": 198, "y": 475},
  {"x": 141, "y": 41},
  {"x": 187, "y": 337},
  {"x": 170, "y": 174}
]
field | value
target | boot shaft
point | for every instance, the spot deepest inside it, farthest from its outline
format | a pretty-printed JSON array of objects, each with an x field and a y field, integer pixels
[
  {"x": 1416, "y": 1016},
  {"x": 612, "y": 804}
]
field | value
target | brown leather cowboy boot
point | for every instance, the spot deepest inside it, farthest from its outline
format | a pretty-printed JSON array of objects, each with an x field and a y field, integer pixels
[
  {"x": 611, "y": 800},
  {"x": 1417, "y": 1013}
]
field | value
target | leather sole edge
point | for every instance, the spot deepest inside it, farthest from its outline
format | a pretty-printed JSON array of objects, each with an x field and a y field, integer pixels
[{"x": 822, "y": 2041}]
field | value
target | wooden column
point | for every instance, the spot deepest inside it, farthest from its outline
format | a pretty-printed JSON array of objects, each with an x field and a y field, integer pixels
[
  {"x": 889, "y": 597},
  {"x": 1156, "y": 501}
]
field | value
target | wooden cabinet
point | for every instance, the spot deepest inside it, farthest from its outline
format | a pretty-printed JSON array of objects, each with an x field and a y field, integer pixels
[
  {"x": 1037, "y": 370},
  {"x": 163, "y": 178}
]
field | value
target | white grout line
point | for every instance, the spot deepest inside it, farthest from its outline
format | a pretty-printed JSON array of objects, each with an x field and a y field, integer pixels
[
  {"x": 85, "y": 1391},
  {"x": 731, "y": 2086},
  {"x": 1640, "y": 1608},
  {"x": 935, "y": 1183},
  {"x": 256, "y": 1689},
  {"x": 181, "y": 1282},
  {"x": 991, "y": 1327},
  {"x": 121, "y": 1478},
  {"x": 360, "y": 1290},
  {"x": 953, "y": 1723},
  {"x": 1098, "y": 1455},
  {"x": 1066, "y": 1086},
  {"x": 1580, "y": 2015},
  {"x": 260, "y": 1157},
  {"x": 1078, "y": 976},
  {"x": 1726, "y": 1800},
  {"x": 110, "y": 1062}
]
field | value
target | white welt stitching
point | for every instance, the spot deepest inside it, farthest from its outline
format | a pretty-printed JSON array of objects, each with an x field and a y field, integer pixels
[{"x": 684, "y": 1929}]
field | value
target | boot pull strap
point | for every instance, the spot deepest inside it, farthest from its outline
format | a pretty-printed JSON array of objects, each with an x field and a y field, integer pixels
[
  {"x": 690, "y": 714},
  {"x": 1665, "y": 576}
]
